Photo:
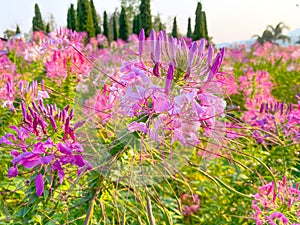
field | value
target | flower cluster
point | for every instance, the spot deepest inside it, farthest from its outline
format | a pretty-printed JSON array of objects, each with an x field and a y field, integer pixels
[
  {"x": 279, "y": 119},
  {"x": 281, "y": 205},
  {"x": 45, "y": 142},
  {"x": 191, "y": 204},
  {"x": 256, "y": 87},
  {"x": 170, "y": 94}
]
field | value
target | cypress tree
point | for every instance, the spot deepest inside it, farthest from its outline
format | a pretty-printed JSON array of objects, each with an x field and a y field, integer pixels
[
  {"x": 18, "y": 31},
  {"x": 204, "y": 26},
  {"x": 105, "y": 26},
  {"x": 134, "y": 24},
  {"x": 115, "y": 28},
  {"x": 37, "y": 21},
  {"x": 145, "y": 16},
  {"x": 82, "y": 13},
  {"x": 95, "y": 18},
  {"x": 189, "y": 29},
  {"x": 161, "y": 26},
  {"x": 197, "y": 31},
  {"x": 71, "y": 18},
  {"x": 89, "y": 24},
  {"x": 48, "y": 28},
  {"x": 174, "y": 29},
  {"x": 123, "y": 25}
]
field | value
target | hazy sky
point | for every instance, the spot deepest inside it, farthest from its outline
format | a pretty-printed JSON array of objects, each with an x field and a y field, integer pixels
[{"x": 227, "y": 20}]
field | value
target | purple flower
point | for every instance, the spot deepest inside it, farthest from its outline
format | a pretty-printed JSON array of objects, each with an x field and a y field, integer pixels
[
  {"x": 39, "y": 184},
  {"x": 12, "y": 172},
  {"x": 169, "y": 78},
  {"x": 64, "y": 149}
]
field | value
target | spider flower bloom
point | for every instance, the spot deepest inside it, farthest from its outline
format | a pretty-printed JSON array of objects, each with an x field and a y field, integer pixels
[
  {"x": 38, "y": 150},
  {"x": 159, "y": 105},
  {"x": 281, "y": 205}
]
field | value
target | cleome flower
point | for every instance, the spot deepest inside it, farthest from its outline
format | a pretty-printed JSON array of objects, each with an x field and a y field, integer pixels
[
  {"x": 282, "y": 205},
  {"x": 167, "y": 93},
  {"x": 45, "y": 142}
]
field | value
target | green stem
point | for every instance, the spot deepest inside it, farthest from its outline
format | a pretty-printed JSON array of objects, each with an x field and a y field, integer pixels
[
  {"x": 219, "y": 182},
  {"x": 149, "y": 209}
]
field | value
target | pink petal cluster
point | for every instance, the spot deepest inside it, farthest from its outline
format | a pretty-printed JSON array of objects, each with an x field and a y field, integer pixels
[
  {"x": 151, "y": 90},
  {"x": 272, "y": 205},
  {"x": 190, "y": 204},
  {"x": 38, "y": 151}
]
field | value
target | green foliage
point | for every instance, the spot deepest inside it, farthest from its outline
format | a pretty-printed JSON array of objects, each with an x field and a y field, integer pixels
[
  {"x": 18, "y": 31},
  {"x": 174, "y": 28},
  {"x": 81, "y": 14},
  {"x": 157, "y": 23},
  {"x": 71, "y": 18},
  {"x": 273, "y": 34},
  {"x": 85, "y": 20},
  {"x": 9, "y": 33},
  {"x": 189, "y": 29},
  {"x": 136, "y": 24},
  {"x": 115, "y": 28},
  {"x": 106, "y": 30},
  {"x": 145, "y": 16},
  {"x": 204, "y": 26},
  {"x": 198, "y": 29},
  {"x": 123, "y": 25},
  {"x": 89, "y": 25},
  {"x": 47, "y": 30},
  {"x": 131, "y": 8},
  {"x": 95, "y": 18},
  {"x": 37, "y": 21}
]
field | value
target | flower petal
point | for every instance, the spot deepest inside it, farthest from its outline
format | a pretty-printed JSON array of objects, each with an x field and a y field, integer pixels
[{"x": 39, "y": 184}]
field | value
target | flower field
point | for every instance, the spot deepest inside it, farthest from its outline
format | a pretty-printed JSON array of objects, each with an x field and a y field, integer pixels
[{"x": 156, "y": 130}]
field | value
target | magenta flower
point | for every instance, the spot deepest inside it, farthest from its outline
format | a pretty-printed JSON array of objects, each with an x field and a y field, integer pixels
[
  {"x": 281, "y": 205},
  {"x": 47, "y": 154},
  {"x": 39, "y": 184}
]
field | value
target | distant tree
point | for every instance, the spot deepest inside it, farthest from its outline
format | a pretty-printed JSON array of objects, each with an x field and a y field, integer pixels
[
  {"x": 48, "y": 30},
  {"x": 37, "y": 21},
  {"x": 95, "y": 18},
  {"x": 174, "y": 29},
  {"x": 9, "y": 33},
  {"x": 197, "y": 30},
  {"x": 157, "y": 23},
  {"x": 89, "y": 25},
  {"x": 100, "y": 22},
  {"x": 266, "y": 37},
  {"x": 162, "y": 26},
  {"x": 18, "y": 31},
  {"x": 277, "y": 32},
  {"x": 105, "y": 26},
  {"x": 83, "y": 7},
  {"x": 123, "y": 25},
  {"x": 131, "y": 7},
  {"x": 273, "y": 34},
  {"x": 145, "y": 16},
  {"x": 204, "y": 31},
  {"x": 189, "y": 29},
  {"x": 115, "y": 27},
  {"x": 71, "y": 18},
  {"x": 136, "y": 24}
]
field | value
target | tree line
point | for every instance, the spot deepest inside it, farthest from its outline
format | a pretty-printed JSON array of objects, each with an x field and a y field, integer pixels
[{"x": 134, "y": 15}]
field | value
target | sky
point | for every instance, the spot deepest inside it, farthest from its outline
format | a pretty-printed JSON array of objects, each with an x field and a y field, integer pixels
[{"x": 227, "y": 20}]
